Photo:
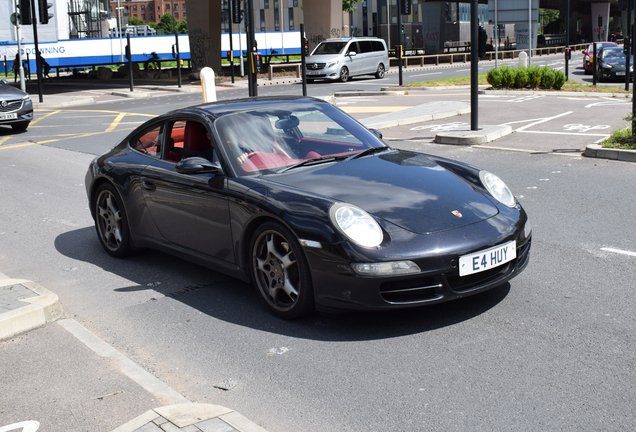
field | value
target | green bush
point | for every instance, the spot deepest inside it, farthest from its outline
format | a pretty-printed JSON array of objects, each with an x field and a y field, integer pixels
[
  {"x": 534, "y": 76},
  {"x": 507, "y": 76},
  {"x": 559, "y": 80},
  {"x": 494, "y": 77},
  {"x": 547, "y": 77},
  {"x": 521, "y": 77}
]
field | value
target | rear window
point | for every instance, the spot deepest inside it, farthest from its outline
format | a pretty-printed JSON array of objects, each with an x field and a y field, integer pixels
[
  {"x": 365, "y": 46},
  {"x": 377, "y": 46}
]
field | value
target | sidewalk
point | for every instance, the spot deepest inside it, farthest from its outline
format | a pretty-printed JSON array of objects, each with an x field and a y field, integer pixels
[{"x": 26, "y": 306}]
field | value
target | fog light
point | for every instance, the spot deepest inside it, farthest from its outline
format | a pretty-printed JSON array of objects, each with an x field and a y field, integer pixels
[{"x": 386, "y": 268}]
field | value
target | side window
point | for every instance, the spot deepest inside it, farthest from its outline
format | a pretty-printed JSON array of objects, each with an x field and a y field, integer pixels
[
  {"x": 377, "y": 46},
  {"x": 365, "y": 46},
  {"x": 188, "y": 138},
  {"x": 353, "y": 47},
  {"x": 149, "y": 141}
]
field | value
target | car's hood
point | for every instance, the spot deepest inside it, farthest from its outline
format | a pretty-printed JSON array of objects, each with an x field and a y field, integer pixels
[
  {"x": 404, "y": 188},
  {"x": 8, "y": 92},
  {"x": 620, "y": 63},
  {"x": 320, "y": 58}
]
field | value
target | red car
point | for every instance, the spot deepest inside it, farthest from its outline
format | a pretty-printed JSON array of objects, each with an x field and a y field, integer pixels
[{"x": 588, "y": 55}]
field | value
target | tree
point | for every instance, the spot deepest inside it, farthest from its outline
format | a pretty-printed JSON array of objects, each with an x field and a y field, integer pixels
[
  {"x": 182, "y": 28},
  {"x": 167, "y": 23},
  {"x": 349, "y": 5},
  {"x": 550, "y": 21},
  {"x": 135, "y": 21}
]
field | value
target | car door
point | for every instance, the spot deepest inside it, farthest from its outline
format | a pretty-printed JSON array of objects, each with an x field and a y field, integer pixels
[
  {"x": 367, "y": 63},
  {"x": 353, "y": 62},
  {"x": 190, "y": 210}
]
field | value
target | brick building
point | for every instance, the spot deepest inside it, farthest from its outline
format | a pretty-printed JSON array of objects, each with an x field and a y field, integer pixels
[{"x": 150, "y": 11}]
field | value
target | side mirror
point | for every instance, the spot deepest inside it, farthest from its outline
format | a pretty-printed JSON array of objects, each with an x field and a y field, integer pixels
[
  {"x": 352, "y": 54},
  {"x": 376, "y": 133},
  {"x": 197, "y": 165}
]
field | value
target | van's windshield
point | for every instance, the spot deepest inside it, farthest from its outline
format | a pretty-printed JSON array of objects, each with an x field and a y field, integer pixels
[{"x": 329, "y": 48}]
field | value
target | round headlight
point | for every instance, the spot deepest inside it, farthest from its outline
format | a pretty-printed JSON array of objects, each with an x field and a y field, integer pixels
[
  {"x": 356, "y": 224},
  {"x": 497, "y": 188}
]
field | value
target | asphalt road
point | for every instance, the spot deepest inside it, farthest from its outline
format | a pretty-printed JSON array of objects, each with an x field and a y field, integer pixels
[{"x": 551, "y": 350}]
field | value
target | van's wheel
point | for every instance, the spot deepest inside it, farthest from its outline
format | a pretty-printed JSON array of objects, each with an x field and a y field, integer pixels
[
  {"x": 380, "y": 72},
  {"x": 344, "y": 74},
  {"x": 280, "y": 272}
]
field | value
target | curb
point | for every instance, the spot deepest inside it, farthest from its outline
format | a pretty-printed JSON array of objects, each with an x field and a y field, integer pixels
[
  {"x": 469, "y": 137},
  {"x": 554, "y": 93},
  {"x": 44, "y": 105},
  {"x": 412, "y": 120},
  {"x": 383, "y": 92},
  {"x": 43, "y": 309},
  {"x": 598, "y": 151},
  {"x": 190, "y": 417},
  {"x": 131, "y": 94}
]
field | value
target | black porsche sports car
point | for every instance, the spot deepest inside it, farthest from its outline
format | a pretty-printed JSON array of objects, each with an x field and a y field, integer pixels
[
  {"x": 314, "y": 209},
  {"x": 16, "y": 108}
]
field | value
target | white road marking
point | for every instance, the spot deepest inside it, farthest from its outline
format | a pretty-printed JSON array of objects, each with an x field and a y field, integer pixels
[
  {"x": 129, "y": 368},
  {"x": 618, "y": 251},
  {"x": 521, "y": 129},
  {"x": 432, "y": 73}
]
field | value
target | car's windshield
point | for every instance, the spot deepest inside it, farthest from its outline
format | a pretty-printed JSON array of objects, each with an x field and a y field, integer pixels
[
  {"x": 612, "y": 54},
  {"x": 329, "y": 48},
  {"x": 599, "y": 45},
  {"x": 266, "y": 141}
]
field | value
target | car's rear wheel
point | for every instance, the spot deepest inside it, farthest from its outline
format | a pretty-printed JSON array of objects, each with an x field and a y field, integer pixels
[
  {"x": 344, "y": 74},
  {"x": 280, "y": 272},
  {"x": 380, "y": 72},
  {"x": 111, "y": 222},
  {"x": 20, "y": 126}
]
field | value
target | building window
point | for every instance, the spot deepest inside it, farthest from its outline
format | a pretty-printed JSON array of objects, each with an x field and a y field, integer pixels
[
  {"x": 262, "y": 20},
  {"x": 176, "y": 15},
  {"x": 143, "y": 17},
  {"x": 126, "y": 9},
  {"x": 134, "y": 8},
  {"x": 183, "y": 6},
  {"x": 184, "y": 14},
  {"x": 266, "y": 6},
  {"x": 143, "y": 7},
  {"x": 276, "y": 17},
  {"x": 135, "y": 15},
  {"x": 152, "y": 17},
  {"x": 291, "y": 18},
  {"x": 175, "y": 7},
  {"x": 168, "y": 7},
  {"x": 295, "y": 4},
  {"x": 158, "y": 8}
]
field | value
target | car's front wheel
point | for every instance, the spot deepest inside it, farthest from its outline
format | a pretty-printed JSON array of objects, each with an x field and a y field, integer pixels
[
  {"x": 380, "y": 72},
  {"x": 280, "y": 272},
  {"x": 111, "y": 222},
  {"x": 344, "y": 74}
]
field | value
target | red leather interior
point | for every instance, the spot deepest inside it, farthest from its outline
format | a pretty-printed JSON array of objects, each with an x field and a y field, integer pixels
[{"x": 196, "y": 137}]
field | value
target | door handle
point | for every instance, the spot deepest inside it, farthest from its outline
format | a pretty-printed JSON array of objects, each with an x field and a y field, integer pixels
[{"x": 148, "y": 185}]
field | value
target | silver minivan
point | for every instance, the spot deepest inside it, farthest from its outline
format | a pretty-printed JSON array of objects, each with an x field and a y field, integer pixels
[{"x": 341, "y": 59}]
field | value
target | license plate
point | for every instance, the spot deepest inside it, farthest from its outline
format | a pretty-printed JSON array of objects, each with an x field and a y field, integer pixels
[
  {"x": 620, "y": 73},
  {"x": 312, "y": 73},
  {"x": 487, "y": 259},
  {"x": 8, "y": 116}
]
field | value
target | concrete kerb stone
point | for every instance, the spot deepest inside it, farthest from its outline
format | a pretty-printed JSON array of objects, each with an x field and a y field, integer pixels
[
  {"x": 598, "y": 151},
  {"x": 41, "y": 309},
  {"x": 46, "y": 105},
  {"x": 554, "y": 93},
  {"x": 131, "y": 94},
  {"x": 469, "y": 137},
  {"x": 188, "y": 415}
]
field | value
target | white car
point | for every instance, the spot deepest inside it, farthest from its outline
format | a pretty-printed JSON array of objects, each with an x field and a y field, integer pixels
[{"x": 341, "y": 59}]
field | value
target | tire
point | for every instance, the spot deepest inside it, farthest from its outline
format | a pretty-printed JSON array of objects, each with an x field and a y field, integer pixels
[
  {"x": 280, "y": 272},
  {"x": 380, "y": 72},
  {"x": 111, "y": 222},
  {"x": 20, "y": 126},
  {"x": 344, "y": 74}
]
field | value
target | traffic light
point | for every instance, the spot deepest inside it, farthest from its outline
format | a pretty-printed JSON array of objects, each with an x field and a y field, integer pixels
[
  {"x": 229, "y": 56},
  {"x": 43, "y": 10},
  {"x": 305, "y": 46},
  {"x": 402, "y": 28},
  {"x": 25, "y": 12},
  {"x": 256, "y": 64},
  {"x": 568, "y": 53},
  {"x": 398, "y": 51},
  {"x": 482, "y": 42}
]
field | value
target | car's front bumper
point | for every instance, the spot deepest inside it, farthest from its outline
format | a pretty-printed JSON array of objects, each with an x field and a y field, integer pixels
[
  {"x": 337, "y": 286},
  {"x": 16, "y": 111},
  {"x": 331, "y": 73}
]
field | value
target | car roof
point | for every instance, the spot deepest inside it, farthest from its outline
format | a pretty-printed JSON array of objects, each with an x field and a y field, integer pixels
[{"x": 221, "y": 108}]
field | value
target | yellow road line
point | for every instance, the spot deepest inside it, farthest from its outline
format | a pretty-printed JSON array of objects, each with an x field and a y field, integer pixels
[
  {"x": 57, "y": 139},
  {"x": 4, "y": 139},
  {"x": 45, "y": 116},
  {"x": 115, "y": 122}
]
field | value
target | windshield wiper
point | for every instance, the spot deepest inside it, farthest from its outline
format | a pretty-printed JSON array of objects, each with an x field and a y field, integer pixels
[
  {"x": 312, "y": 161},
  {"x": 367, "y": 152}
]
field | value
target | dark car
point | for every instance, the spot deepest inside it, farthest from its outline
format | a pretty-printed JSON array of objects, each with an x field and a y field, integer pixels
[
  {"x": 588, "y": 55},
  {"x": 314, "y": 209},
  {"x": 16, "y": 108},
  {"x": 611, "y": 64}
]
